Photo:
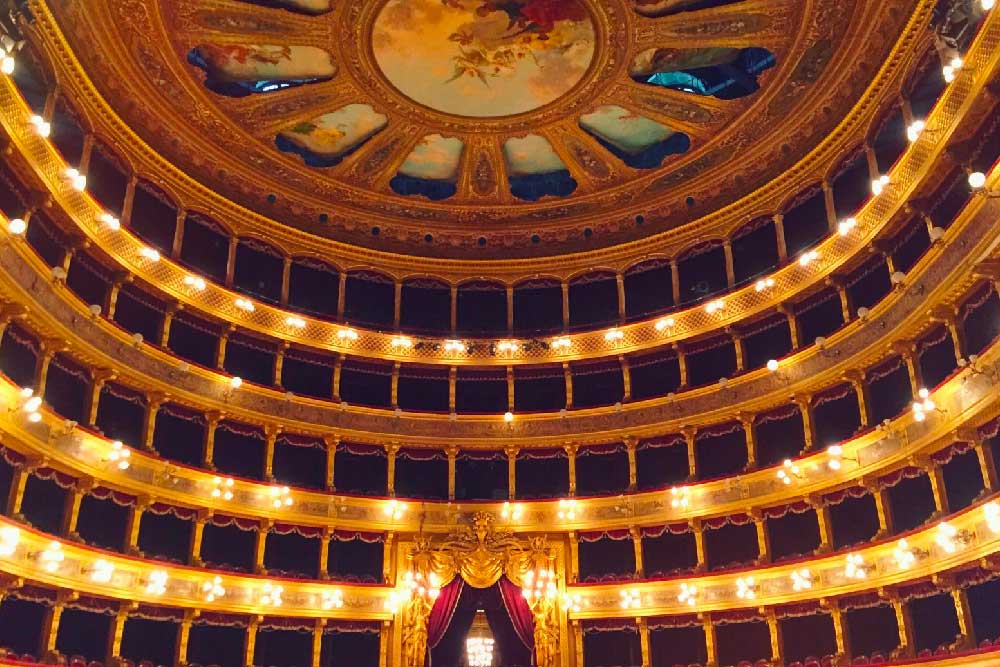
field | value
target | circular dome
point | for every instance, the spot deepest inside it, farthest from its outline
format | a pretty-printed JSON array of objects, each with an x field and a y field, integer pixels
[
  {"x": 484, "y": 59},
  {"x": 497, "y": 130}
]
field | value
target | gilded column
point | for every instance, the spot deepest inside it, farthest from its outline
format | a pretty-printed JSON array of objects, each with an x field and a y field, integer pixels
[
  {"x": 167, "y": 321},
  {"x": 394, "y": 386},
  {"x": 390, "y": 453},
  {"x": 341, "y": 294},
  {"x": 571, "y": 461},
  {"x": 317, "y": 641},
  {"x": 840, "y": 285},
  {"x": 565, "y": 304},
  {"x": 574, "y": 557},
  {"x": 397, "y": 303},
  {"x": 154, "y": 400},
  {"x": 71, "y": 508},
  {"x": 338, "y": 366},
  {"x": 134, "y": 523},
  {"x": 230, "y": 273},
  {"x": 777, "y": 639},
  {"x": 987, "y": 465},
  {"x": 510, "y": 309},
  {"x": 51, "y": 618},
  {"x": 271, "y": 432},
  {"x": 279, "y": 363},
  {"x": 935, "y": 474},
  {"x": 15, "y": 496},
  {"x": 452, "y": 453},
  {"x": 212, "y": 420},
  {"x": 647, "y": 658},
  {"x": 804, "y": 404},
  {"x": 857, "y": 380},
  {"x": 779, "y": 233},
  {"x": 286, "y": 279},
  {"x": 197, "y": 534},
  {"x": 763, "y": 538},
  {"x": 682, "y": 366},
  {"x": 831, "y": 207},
  {"x": 905, "y": 623},
  {"x": 640, "y": 569},
  {"x": 748, "y": 422},
  {"x": 908, "y": 351},
  {"x": 698, "y": 528},
  {"x": 331, "y": 442},
  {"x": 250, "y": 639},
  {"x": 511, "y": 472},
  {"x": 963, "y": 612},
  {"x": 886, "y": 525},
  {"x": 47, "y": 350},
  {"x": 631, "y": 445},
  {"x": 116, "y": 630},
  {"x": 220, "y": 348},
  {"x": 510, "y": 388},
  {"x": 841, "y": 630},
  {"x": 184, "y": 637},
  {"x": 129, "y": 200},
  {"x": 454, "y": 308},
  {"x": 690, "y": 437},
  {"x": 260, "y": 545},
  {"x": 620, "y": 282},
  {"x": 675, "y": 282},
  {"x": 98, "y": 378},
  {"x": 111, "y": 302},
  {"x": 568, "y": 378},
  {"x": 324, "y": 553},
  {"x": 824, "y": 522},
  {"x": 711, "y": 642},
  {"x": 738, "y": 348},
  {"x": 452, "y": 386},
  {"x": 626, "y": 378},
  {"x": 727, "y": 248},
  {"x": 788, "y": 310},
  {"x": 578, "y": 644}
]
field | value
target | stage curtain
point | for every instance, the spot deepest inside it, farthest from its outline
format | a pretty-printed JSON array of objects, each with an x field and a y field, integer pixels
[
  {"x": 519, "y": 611},
  {"x": 442, "y": 611}
]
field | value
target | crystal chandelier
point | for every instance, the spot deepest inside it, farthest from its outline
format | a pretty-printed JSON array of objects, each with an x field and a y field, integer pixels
[{"x": 479, "y": 643}]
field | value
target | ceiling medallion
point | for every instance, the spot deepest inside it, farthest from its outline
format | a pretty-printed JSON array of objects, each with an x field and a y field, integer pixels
[{"x": 484, "y": 58}]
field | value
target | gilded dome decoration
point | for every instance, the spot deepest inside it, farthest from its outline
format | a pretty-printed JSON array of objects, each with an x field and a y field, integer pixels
[{"x": 635, "y": 108}]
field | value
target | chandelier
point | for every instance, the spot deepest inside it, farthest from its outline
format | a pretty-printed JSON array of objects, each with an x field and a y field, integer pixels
[{"x": 479, "y": 643}]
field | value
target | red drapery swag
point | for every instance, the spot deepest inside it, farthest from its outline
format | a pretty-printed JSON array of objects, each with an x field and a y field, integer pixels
[
  {"x": 519, "y": 612},
  {"x": 443, "y": 611}
]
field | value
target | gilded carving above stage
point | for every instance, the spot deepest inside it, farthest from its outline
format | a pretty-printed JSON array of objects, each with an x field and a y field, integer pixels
[{"x": 524, "y": 128}]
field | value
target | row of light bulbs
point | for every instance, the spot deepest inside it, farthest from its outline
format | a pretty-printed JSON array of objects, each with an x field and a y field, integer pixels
[{"x": 101, "y": 571}]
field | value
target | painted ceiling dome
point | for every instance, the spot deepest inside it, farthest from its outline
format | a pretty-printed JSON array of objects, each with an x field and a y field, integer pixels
[{"x": 483, "y": 129}]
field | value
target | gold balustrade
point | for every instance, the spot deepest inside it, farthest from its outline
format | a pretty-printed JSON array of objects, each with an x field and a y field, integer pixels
[{"x": 967, "y": 399}]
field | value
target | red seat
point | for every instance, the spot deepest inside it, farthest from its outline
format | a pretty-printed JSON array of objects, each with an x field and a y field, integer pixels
[
  {"x": 986, "y": 643},
  {"x": 795, "y": 664},
  {"x": 814, "y": 662},
  {"x": 27, "y": 657},
  {"x": 860, "y": 660},
  {"x": 926, "y": 653}
]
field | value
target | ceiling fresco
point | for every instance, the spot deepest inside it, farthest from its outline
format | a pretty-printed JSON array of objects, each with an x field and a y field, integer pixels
[
  {"x": 483, "y": 128},
  {"x": 484, "y": 57}
]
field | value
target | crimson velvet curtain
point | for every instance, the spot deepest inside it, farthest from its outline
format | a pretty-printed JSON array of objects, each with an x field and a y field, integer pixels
[{"x": 506, "y": 610}]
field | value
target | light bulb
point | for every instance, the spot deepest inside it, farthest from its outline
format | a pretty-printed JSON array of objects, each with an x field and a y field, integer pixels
[
  {"x": 772, "y": 365},
  {"x": 977, "y": 180},
  {"x": 17, "y": 226}
]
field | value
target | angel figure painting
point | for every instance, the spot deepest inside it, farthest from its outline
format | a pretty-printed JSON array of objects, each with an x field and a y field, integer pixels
[{"x": 484, "y": 58}]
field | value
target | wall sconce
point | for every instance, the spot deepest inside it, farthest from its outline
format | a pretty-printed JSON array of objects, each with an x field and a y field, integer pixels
[
  {"x": 51, "y": 557},
  {"x": 149, "y": 253},
  {"x": 856, "y": 567},
  {"x": 511, "y": 512},
  {"x": 802, "y": 580},
  {"x": 156, "y": 584},
  {"x": 905, "y": 556},
  {"x": 332, "y": 600},
  {"x": 631, "y": 599},
  {"x": 688, "y": 595},
  {"x": 915, "y": 129},
  {"x": 401, "y": 343},
  {"x": 295, "y": 322},
  {"x": 113, "y": 223},
  {"x": 951, "y": 70},
  {"x": 394, "y": 509},
  {"x": 764, "y": 284},
  {"x": 836, "y": 458},
  {"x": 680, "y": 498},
  {"x": 977, "y": 181},
  {"x": 746, "y": 588},
  {"x": 991, "y": 510},
  {"x": 213, "y": 589},
  {"x": 880, "y": 184},
  {"x": 950, "y": 539},
  {"x": 17, "y": 226},
  {"x": 923, "y": 405},
  {"x": 101, "y": 572},
  {"x": 280, "y": 497},
  {"x": 246, "y": 305},
  {"x": 120, "y": 455},
  {"x": 10, "y": 537},
  {"x": 808, "y": 258},
  {"x": 567, "y": 510},
  {"x": 716, "y": 306},
  {"x": 845, "y": 226},
  {"x": 665, "y": 323},
  {"x": 42, "y": 127},
  {"x": 223, "y": 488},
  {"x": 508, "y": 346},
  {"x": 572, "y": 603},
  {"x": 347, "y": 335},
  {"x": 270, "y": 595},
  {"x": 789, "y": 471},
  {"x": 561, "y": 344},
  {"x": 613, "y": 336}
]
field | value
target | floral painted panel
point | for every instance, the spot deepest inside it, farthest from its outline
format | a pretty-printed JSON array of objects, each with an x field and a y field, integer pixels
[
  {"x": 333, "y": 135},
  {"x": 304, "y": 6},
  {"x": 435, "y": 158},
  {"x": 667, "y": 7},
  {"x": 484, "y": 57},
  {"x": 529, "y": 155},
  {"x": 627, "y": 131},
  {"x": 264, "y": 62}
]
